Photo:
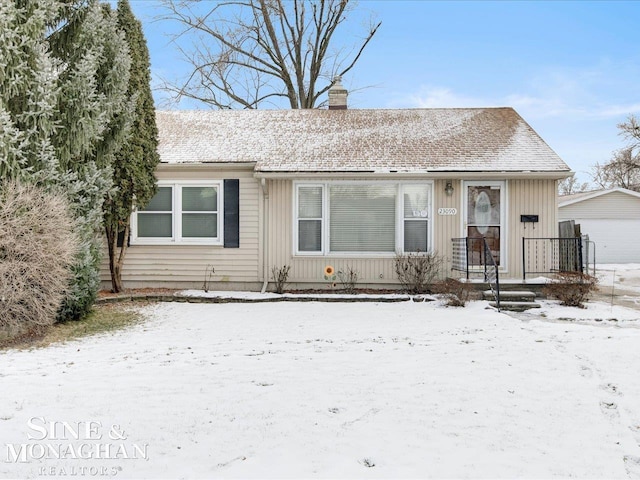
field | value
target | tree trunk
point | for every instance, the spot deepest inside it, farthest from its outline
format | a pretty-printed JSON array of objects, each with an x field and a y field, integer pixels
[
  {"x": 112, "y": 239},
  {"x": 119, "y": 264},
  {"x": 116, "y": 258}
]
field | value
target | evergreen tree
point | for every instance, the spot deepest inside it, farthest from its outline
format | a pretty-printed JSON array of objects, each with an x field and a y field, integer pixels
[
  {"x": 28, "y": 92},
  {"x": 135, "y": 162},
  {"x": 95, "y": 113},
  {"x": 64, "y": 71}
]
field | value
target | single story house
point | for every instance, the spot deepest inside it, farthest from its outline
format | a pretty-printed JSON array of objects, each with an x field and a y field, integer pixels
[
  {"x": 247, "y": 191},
  {"x": 611, "y": 219}
]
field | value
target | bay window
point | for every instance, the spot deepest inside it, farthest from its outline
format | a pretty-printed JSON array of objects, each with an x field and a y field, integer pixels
[{"x": 362, "y": 218}]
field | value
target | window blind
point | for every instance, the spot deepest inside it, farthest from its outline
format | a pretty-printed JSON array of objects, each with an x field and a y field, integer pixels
[{"x": 362, "y": 218}]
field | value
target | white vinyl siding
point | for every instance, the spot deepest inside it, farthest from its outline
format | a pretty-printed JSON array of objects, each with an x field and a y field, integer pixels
[
  {"x": 612, "y": 222},
  {"x": 521, "y": 196},
  {"x": 182, "y": 265},
  {"x": 188, "y": 212},
  {"x": 379, "y": 218},
  {"x": 613, "y": 205}
]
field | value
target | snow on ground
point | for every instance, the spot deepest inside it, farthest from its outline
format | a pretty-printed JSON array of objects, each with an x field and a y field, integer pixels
[
  {"x": 623, "y": 278},
  {"x": 594, "y": 312},
  {"x": 257, "y": 296},
  {"x": 347, "y": 390},
  {"x": 619, "y": 284}
]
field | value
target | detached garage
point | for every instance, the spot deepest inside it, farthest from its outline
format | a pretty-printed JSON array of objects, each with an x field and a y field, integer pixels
[{"x": 611, "y": 218}]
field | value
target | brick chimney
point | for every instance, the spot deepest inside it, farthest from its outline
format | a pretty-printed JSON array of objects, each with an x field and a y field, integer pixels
[{"x": 337, "y": 95}]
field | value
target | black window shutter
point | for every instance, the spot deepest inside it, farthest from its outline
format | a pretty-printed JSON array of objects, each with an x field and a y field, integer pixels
[
  {"x": 232, "y": 213},
  {"x": 120, "y": 241}
]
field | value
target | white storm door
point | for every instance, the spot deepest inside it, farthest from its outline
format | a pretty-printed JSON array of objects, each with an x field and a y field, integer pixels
[{"x": 485, "y": 217}]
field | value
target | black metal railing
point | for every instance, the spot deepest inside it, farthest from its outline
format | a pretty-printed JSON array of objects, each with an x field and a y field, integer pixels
[
  {"x": 491, "y": 275},
  {"x": 459, "y": 256},
  {"x": 468, "y": 254},
  {"x": 473, "y": 255},
  {"x": 551, "y": 255}
]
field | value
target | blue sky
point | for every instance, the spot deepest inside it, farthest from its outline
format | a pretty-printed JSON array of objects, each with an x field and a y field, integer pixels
[{"x": 571, "y": 69}]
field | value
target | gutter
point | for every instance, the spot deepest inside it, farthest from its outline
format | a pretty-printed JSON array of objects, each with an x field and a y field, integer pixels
[
  {"x": 265, "y": 236},
  {"x": 205, "y": 166},
  {"x": 450, "y": 175}
]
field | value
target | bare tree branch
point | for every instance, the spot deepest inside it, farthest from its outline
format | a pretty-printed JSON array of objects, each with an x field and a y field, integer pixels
[
  {"x": 623, "y": 170},
  {"x": 571, "y": 185},
  {"x": 244, "y": 53},
  {"x": 630, "y": 130}
]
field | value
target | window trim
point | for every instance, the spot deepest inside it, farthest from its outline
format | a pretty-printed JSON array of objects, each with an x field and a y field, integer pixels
[
  {"x": 428, "y": 219},
  {"x": 296, "y": 219},
  {"x": 176, "y": 216},
  {"x": 325, "y": 222}
]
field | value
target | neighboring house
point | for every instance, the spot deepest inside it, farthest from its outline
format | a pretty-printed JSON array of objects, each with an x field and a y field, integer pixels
[
  {"x": 246, "y": 191},
  {"x": 611, "y": 218}
]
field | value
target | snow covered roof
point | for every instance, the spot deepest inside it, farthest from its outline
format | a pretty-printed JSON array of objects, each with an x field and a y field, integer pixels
[
  {"x": 566, "y": 200},
  {"x": 409, "y": 141}
]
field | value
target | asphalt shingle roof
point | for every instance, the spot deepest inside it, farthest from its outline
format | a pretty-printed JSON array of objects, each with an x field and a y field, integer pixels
[{"x": 411, "y": 140}]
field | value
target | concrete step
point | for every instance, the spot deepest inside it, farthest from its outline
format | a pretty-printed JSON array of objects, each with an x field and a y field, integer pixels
[
  {"x": 515, "y": 306},
  {"x": 511, "y": 295}
]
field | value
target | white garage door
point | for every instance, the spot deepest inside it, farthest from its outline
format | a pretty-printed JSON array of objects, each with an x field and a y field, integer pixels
[{"x": 617, "y": 241}]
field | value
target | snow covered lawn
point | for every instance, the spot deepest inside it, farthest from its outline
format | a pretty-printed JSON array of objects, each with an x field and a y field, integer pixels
[{"x": 364, "y": 390}]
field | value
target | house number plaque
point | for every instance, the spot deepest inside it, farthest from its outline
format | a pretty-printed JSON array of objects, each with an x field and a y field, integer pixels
[{"x": 447, "y": 211}]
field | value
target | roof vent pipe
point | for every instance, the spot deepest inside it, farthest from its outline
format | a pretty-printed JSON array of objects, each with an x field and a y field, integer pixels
[{"x": 337, "y": 95}]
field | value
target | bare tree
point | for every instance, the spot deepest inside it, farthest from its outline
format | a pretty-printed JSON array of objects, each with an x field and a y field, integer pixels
[
  {"x": 571, "y": 185},
  {"x": 623, "y": 170},
  {"x": 630, "y": 130},
  {"x": 245, "y": 53}
]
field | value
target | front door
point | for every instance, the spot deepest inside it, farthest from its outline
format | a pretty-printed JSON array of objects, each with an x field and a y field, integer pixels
[{"x": 485, "y": 218}]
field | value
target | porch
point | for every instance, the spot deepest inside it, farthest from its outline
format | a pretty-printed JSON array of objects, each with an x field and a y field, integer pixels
[
  {"x": 474, "y": 256},
  {"x": 479, "y": 263}
]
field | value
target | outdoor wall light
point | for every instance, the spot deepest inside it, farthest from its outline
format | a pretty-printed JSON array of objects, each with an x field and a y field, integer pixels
[{"x": 448, "y": 189}]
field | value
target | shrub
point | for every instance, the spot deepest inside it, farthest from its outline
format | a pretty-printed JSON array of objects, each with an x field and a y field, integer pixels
[
  {"x": 571, "y": 288},
  {"x": 416, "y": 271},
  {"x": 280, "y": 277},
  {"x": 37, "y": 248},
  {"x": 208, "y": 274},
  {"x": 348, "y": 278},
  {"x": 455, "y": 292}
]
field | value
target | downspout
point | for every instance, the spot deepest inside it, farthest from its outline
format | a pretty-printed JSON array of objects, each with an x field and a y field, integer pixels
[{"x": 265, "y": 236}]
